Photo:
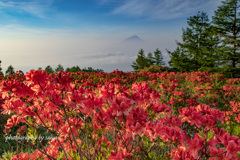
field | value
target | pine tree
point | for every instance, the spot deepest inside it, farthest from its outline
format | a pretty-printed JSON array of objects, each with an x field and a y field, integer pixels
[
  {"x": 180, "y": 60},
  {"x": 0, "y": 67},
  {"x": 150, "y": 58},
  {"x": 141, "y": 61},
  {"x": 59, "y": 68},
  {"x": 90, "y": 69},
  {"x": 49, "y": 69},
  {"x": 227, "y": 23},
  {"x": 73, "y": 69},
  {"x": 10, "y": 70},
  {"x": 199, "y": 47},
  {"x": 158, "y": 58}
]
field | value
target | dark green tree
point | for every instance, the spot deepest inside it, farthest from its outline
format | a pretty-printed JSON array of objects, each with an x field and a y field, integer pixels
[
  {"x": 158, "y": 58},
  {"x": 151, "y": 59},
  {"x": 141, "y": 61},
  {"x": 90, "y": 69},
  {"x": 0, "y": 67},
  {"x": 73, "y": 69},
  {"x": 199, "y": 47},
  {"x": 144, "y": 61},
  {"x": 180, "y": 60},
  {"x": 227, "y": 24},
  {"x": 59, "y": 68},
  {"x": 49, "y": 69},
  {"x": 10, "y": 70},
  {"x": 99, "y": 70}
]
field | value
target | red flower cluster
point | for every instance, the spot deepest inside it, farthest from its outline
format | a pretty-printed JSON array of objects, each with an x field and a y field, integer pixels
[{"x": 111, "y": 116}]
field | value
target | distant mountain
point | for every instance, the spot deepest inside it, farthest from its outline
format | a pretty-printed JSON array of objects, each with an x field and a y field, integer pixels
[{"x": 133, "y": 38}]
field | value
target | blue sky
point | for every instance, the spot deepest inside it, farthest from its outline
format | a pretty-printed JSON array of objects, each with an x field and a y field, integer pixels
[{"x": 90, "y": 33}]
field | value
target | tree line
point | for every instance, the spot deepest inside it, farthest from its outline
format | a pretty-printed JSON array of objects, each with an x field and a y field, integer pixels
[
  {"x": 59, "y": 68},
  {"x": 10, "y": 70},
  {"x": 206, "y": 45}
]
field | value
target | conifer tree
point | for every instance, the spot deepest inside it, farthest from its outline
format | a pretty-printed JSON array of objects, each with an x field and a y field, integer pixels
[
  {"x": 10, "y": 70},
  {"x": 227, "y": 25},
  {"x": 59, "y": 68},
  {"x": 199, "y": 47},
  {"x": 0, "y": 67},
  {"x": 180, "y": 60},
  {"x": 141, "y": 61},
  {"x": 144, "y": 61},
  {"x": 158, "y": 57},
  {"x": 73, "y": 69},
  {"x": 49, "y": 69},
  {"x": 151, "y": 59}
]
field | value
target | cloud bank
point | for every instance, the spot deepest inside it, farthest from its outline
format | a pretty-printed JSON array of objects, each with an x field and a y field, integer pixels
[{"x": 28, "y": 49}]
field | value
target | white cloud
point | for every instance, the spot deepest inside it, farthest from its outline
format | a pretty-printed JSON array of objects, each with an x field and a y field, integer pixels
[
  {"x": 37, "y": 8},
  {"x": 164, "y": 9},
  {"x": 110, "y": 2}
]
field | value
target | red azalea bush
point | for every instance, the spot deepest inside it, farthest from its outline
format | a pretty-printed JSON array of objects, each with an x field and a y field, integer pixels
[{"x": 122, "y": 115}]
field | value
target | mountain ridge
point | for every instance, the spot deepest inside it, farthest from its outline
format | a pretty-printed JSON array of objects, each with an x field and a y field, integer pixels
[{"x": 133, "y": 38}]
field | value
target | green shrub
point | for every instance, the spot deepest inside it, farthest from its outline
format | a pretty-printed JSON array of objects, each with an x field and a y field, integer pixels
[
  {"x": 155, "y": 69},
  {"x": 8, "y": 155}
]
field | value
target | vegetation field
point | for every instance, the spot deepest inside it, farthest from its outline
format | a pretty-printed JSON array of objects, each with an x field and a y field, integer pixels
[{"x": 119, "y": 115}]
